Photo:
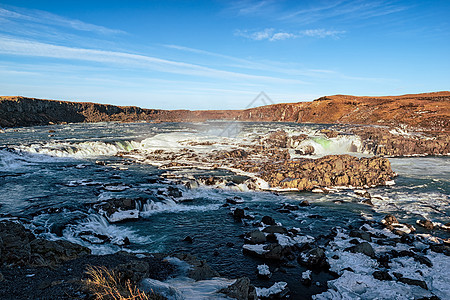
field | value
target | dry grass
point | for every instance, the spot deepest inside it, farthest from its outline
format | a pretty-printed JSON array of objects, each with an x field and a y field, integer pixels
[{"x": 105, "y": 285}]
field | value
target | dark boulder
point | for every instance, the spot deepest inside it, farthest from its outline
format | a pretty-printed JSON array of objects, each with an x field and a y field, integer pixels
[
  {"x": 255, "y": 237},
  {"x": 381, "y": 275},
  {"x": 241, "y": 289},
  {"x": 275, "y": 229},
  {"x": 314, "y": 259},
  {"x": 364, "y": 248},
  {"x": 268, "y": 220},
  {"x": 410, "y": 281}
]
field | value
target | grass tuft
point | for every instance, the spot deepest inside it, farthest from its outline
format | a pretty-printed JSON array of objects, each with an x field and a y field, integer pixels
[{"x": 105, "y": 285}]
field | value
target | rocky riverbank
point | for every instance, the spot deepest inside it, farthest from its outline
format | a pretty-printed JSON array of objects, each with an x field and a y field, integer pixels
[{"x": 396, "y": 256}]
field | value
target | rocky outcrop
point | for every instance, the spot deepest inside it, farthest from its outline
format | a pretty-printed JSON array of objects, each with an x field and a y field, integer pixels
[
  {"x": 383, "y": 142},
  {"x": 430, "y": 111},
  {"x": 18, "y": 246},
  {"x": 331, "y": 170}
]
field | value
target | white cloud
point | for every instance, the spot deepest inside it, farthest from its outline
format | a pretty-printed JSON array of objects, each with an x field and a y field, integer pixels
[
  {"x": 42, "y": 17},
  {"x": 15, "y": 46},
  {"x": 272, "y": 35}
]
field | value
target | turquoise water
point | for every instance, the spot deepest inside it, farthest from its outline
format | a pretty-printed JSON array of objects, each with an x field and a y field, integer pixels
[{"x": 50, "y": 181}]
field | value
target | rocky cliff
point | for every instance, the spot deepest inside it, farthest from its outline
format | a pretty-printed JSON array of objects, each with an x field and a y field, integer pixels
[{"x": 430, "y": 111}]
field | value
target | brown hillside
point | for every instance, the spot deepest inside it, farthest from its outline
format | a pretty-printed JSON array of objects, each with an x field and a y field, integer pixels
[{"x": 429, "y": 110}]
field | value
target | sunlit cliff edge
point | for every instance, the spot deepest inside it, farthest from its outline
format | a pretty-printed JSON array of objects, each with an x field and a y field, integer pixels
[{"x": 430, "y": 111}]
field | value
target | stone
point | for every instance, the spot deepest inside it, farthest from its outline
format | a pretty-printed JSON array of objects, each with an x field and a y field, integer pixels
[
  {"x": 241, "y": 289},
  {"x": 423, "y": 260},
  {"x": 427, "y": 224},
  {"x": 200, "y": 269},
  {"x": 274, "y": 252},
  {"x": 441, "y": 248},
  {"x": 360, "y": 234},
  {"x": 174, "y": 192},
  {"x": 268, "y": 220},
  {"x": 315, "y": 258},
  {"x": 256, "y": 237},
  {"x": 275, "y": 229},
  {"x": 134, "y": 271},
  {"x": 389, "y": 220},
  {"x": 381, "y": 275},
  {"x": 410, "y": 281},
  {"x": 304, "y": 203},
  {"x": 238, "y": 214},
  {"x": 188, "y": 239},
  {"x": 364, "y": 248},
  {"x": 55, "y": 252}
]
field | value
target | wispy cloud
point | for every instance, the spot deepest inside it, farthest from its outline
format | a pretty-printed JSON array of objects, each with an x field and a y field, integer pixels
[
  {"x": 270, "y": 34},
  {"x": 19, "y": 15},
  {"x": 252, "y": 7},
  {"x": 316, "y": 11},
  {"x": 343, "y": 10},
  {"x": 22, "y": 47}
]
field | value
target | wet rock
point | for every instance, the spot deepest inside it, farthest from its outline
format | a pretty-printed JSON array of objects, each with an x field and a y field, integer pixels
[
  {"x": 15, "y": 243},
  {"x": 314, "y": 259},
  {"x": 423, "y": 260},
  {"x": 364, "y": 248},
  {"x": 275, "y": 229},
  {"x": 304, "y": 203},
  {"x": 126, "y": 241},
  {"x": 354, "y": 241},
  {"x": 306, "y": 278},
  {"x": 255, "y": 237},
  {"x": 315, "y": 217},
  {"x": 238, "y": 214},
  {"x": 363, "y": 193},
  {"x": 200, "y": 269},
  {"x": 287, "y": 208},
  {"x": 268, "y": 220},
  {"x": 116, "y": 210},
  {"x": 389, "y": 220},
  {"x": 441, "y": 248},
  {"x": 134, "y": 271},
  {"x": 174, "y": 192},
  {"x": 188, "y": 239},
  {"x": 330, "y": 133},
  {"x": 367, "y": 201},
  {"x": 274, "y": 252},
  {"x": 360, "y": 234},
  {"x": 410, "y": 281},
  {"x": 427, "y": 224},
  {"x": 382, "y": 275},
  {"x": 93, "y": 238},
  {"x": 241, "y": 289},
  {"x": 55, "y": 252},
  {"x": 235, "y": 200}
]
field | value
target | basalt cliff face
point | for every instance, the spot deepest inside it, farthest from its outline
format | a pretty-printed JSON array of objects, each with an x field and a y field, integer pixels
[{"x": 430, "y": 111}]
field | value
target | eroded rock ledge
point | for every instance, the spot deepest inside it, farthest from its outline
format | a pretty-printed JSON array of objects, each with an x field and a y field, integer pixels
[{"x": 328, "y": 171}]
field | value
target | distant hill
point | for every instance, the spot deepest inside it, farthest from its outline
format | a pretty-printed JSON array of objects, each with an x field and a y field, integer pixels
[{"x": 429, "y": 110}]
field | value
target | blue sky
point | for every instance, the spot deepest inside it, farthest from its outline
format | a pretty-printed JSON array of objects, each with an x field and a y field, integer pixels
[{"x": 221, "y": 54}]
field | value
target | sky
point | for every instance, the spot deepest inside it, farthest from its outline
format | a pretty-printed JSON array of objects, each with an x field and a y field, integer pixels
[{"x": 221, "y": 54}]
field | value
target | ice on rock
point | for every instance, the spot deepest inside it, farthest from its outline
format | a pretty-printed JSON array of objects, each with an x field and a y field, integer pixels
[
  {"x": 264, "y": 270},
  {"x": 307, "y": 275},
  {"x": 361, "y": 286},
  {"x": 279, "y": 288},
  {"x": 258, "y": 249}
]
